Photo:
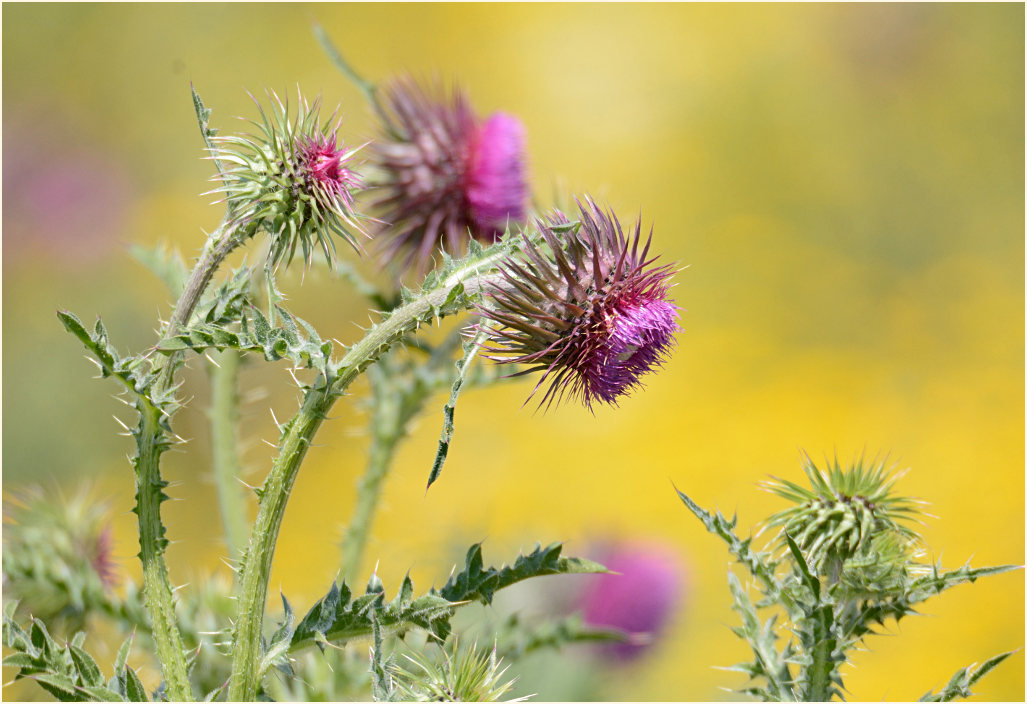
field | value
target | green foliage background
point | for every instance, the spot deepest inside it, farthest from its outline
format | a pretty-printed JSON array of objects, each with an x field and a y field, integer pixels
[{"x": 846, "y": 184}]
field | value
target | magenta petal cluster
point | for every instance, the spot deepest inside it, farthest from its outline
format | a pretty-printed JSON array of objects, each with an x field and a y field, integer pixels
[
  {"x": 495, "y": 186},
  {"x": 589, "y": 309},
  {"x": 329, "y": 179},
  {"x": 445, "y": 175}
]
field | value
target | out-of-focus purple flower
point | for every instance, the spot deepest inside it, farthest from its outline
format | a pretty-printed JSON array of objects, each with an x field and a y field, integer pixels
[
  {"x": 445, "y": 175},
  {"x": 591, "y": 313},
  {"x": 62, "y": 198},
  {"x": 640, "y": 600}
]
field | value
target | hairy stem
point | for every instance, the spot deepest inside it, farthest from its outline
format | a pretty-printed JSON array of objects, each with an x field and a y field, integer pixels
[
  {"x": 297, "y": 436},
  {"x": 224, "y": 418},
  {"x": 819, "y": 685},
  {"x": 152, "y": 439},
  {"x": 150, "y": 494}
]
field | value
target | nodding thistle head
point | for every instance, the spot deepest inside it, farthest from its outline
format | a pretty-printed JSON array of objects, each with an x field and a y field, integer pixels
[
  {"x": 445, "y": 175},
  {"x": 589, "y": 310},
  {"x": 848, "y": 520},
  {"x": 292, "y": 180}
]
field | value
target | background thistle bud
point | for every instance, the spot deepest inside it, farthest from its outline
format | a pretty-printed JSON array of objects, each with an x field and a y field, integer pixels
[
  {"x": 591, "y": 313},
  {"x": 445, "y": 175},
  {"x": 292, "y": 180}
]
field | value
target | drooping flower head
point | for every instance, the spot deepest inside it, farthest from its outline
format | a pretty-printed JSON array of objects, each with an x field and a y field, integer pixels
[
  {"x": 293, "y": 180},
  {"x": 590, "y": 310},
  {"x": 445, "y": 174}
]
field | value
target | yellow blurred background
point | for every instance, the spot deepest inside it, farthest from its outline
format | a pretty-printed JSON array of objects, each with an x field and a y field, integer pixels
[{"x": 845, "y": 184}]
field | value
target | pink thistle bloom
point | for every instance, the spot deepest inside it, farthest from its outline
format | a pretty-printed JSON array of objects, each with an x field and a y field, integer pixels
[
  {"x": 591, "y": 313},
  {"x": 639, "y": 599},
  {"x": 328, "y": 177},
  {"x": 446, "y": 176}
]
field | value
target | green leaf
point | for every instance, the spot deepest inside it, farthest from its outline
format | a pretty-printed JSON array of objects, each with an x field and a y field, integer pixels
[
  {"x": 462, "y": 366},
  {"x": 335, "y": 618},
  {"x": 88, "y": 670},
  {"x": 134, "y": 689},
  {"x": 61, "y": 687},
  {"x": 101, "y": 694},
  {"x": 476, "y": 584},
  {"x": 959, "y": 686},
  {"x": 22, "y": 660},
  {"x": 759, "y": 564}
]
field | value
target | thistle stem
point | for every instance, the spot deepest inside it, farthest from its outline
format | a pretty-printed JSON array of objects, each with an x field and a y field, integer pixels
[
  {"x": 297, "y": 437},
  {"x": 224, "y": 417},
  {"x": 151, "y": 441}
]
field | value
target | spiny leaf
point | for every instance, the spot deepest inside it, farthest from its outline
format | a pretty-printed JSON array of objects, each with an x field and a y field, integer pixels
[
  {"x": 335, "y": 618},
  {"x": 462, "y": 366},
  {"x": 959, "y": 685}
]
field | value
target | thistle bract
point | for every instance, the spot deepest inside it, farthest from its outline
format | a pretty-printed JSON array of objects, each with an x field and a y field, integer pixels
[
  {"x": 445, "y": 175},
  {"x": 590, "y": 311},
  {"x": 292, "y": 180}
]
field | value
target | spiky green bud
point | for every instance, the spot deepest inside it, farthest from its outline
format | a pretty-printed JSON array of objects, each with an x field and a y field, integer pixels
[
  {"x": 849, "y": 521},
  {"x": 291, "y": 180}
]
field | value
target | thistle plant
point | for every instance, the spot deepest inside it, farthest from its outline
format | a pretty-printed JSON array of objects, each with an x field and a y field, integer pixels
[
  {"x": 293, "y": 186},
  {"x": 846, "y": 560}
]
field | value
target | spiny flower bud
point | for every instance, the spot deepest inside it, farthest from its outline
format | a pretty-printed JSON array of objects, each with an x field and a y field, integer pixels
[
  {"x": 293, "y": 180},
  {"x": 591, "y": 312},
  {"x": 445, "y": 175},
  {"x": 845, "y": 516}
]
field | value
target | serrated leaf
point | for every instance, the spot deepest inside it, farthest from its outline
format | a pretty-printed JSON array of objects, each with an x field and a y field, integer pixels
[{"x": 958, "y": 686}]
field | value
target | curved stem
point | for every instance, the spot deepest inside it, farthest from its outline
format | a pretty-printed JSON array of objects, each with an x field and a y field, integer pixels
[{"x": 297, "y": 435}]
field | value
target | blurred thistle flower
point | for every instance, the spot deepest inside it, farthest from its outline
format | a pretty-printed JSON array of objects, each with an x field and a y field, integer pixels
[
  {"x": 445, "y": 175},
  {"x": 591, "y": 313},
  {"x": 849, "y": 517},
  {"x": 58, "y": 558},
  {"x": 293, "y": 180},
  {"x": 639, "y": 600}
]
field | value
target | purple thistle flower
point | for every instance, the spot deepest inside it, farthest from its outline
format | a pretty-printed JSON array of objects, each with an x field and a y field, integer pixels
[
  {"x": 591, "y": 313},
  {"x": 639, "y": 599},
  {"x": 446, "y": 176}
]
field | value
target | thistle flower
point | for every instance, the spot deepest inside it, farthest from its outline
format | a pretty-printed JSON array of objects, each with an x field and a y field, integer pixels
[
  {"x": 638, "y": 596},
  {"x": 445, "y": 175},
  {"x": 591, "y": 313},
  {"x": 293, "y": 180},
  {"x": 58, "y": 557}
]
